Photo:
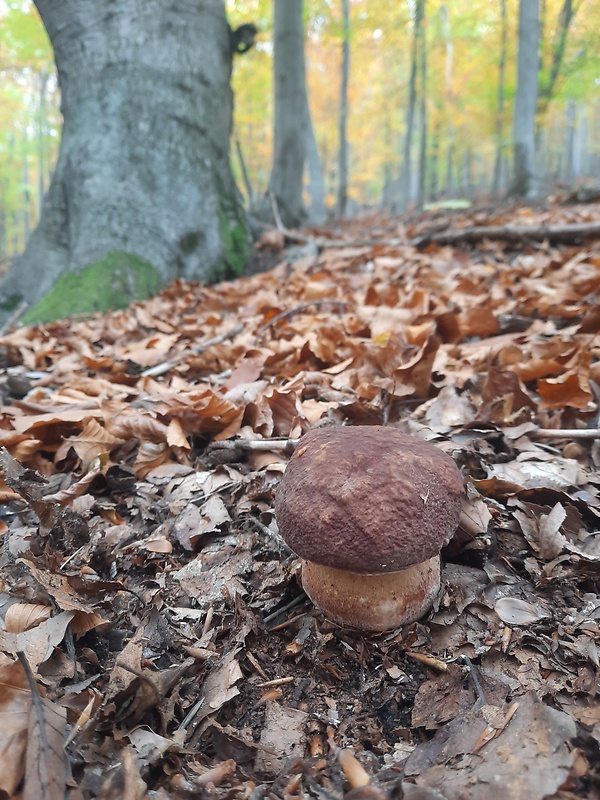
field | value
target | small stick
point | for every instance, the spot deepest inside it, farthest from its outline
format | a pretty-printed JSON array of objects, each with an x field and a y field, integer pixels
[
  {"x": 276, "y": 215},
  {"x": 14, "y": 317},
  {"x": 292, "y": 604},
  {"x": 217, "y": 774},
  {"x": 165, "y": 366},
  {"x": 254, "y": 661},
  {"x": 481, "y": 698},
  {"x": 354, "y": 771},
  {"x": 568, "y": 433},
  {"x": 276, "y": 682},
  {"x": 288, "y": 622},
  {"x": 301, "y": 307},
  {"x": 257, "y": 445},
  {"x": 208, "y": 620},
  {"x": 191, "y": 714},
  {"x": 428, "y": 661}
]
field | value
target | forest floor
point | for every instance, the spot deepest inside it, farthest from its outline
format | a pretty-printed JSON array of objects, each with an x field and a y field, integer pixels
[{"x": 153, "y": 618}]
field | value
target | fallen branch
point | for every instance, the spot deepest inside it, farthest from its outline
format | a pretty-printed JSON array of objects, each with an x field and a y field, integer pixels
[
  {"x": 567, "y": 233},
  {"x": 567, "y": 433},
  {"x": 165, "y": 366},
  {"x": 286, "y": 446},
  {"x": 14, "y": 318},
  {"x": 296, "y": 310}
]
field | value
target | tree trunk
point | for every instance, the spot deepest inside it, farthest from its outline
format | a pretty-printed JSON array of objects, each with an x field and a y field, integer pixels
[
  {"x": 569, "y": 146},
  {"x": 41, "y": 132},
  {"x": 405, "y": 173},
  {"x": 144, "y": 164},
  {"x": 289, "y": 144},
  {"x": 318, "y": 211},
  {"x": 26, "y": 187},
  {"x": 421, "y": 192},
  {"x": 501, "y": 93},
  {"x": 343, "y": 143},
  {"x": 558, "y": 47},
  {"x": 526, "y": 100}
]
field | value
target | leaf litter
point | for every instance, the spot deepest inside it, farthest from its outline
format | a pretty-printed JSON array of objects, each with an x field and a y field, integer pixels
[{"x": 146, "y": 590}]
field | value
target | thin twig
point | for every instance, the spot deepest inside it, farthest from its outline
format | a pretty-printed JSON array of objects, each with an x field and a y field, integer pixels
[
  {"x": 567, "y": 433},
  {"x": 292, "y": 604},
  {"x": 286, "y": 446},
  {"x": 14, "y": 317},
  {"x": 481, "y": 697},
  {"x": 276, "y": 215},
  {"x": 38, "y": 708},
  {"x": 165, "y": 366},
  {"x": 428, "y": 661},
  {"x": 276, "y": 682},
  {"x": 301, "y": 307}
]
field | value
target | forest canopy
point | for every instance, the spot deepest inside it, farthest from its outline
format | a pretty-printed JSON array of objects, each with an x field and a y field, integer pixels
[{"x": 469, "y": 126}]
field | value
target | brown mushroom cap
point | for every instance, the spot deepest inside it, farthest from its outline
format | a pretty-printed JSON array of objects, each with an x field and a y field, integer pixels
[{"x": 368, "y": 499}]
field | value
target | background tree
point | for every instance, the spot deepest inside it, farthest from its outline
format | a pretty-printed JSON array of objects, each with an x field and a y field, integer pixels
[
  {"x": 406, "y": 173},
  {"x": 144, "y": 160},
  {"x": 342, "y": 198},
  {"x": 422, "y": 57},
  {"x": 463, "y": 49},
  {"x": 526, "y": 99},
  {"x": 290, "y": 117},
  {"x": 498, "y": 161}
]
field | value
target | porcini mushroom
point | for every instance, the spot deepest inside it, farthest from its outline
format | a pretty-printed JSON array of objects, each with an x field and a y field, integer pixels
[{"x": 368, "y": 509}]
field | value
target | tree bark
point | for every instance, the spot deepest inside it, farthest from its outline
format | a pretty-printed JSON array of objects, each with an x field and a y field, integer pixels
[
  {"x": 558, "y": 47},
  {"x": 422, "y": 185},
  {"x": 526, "y": 100},
  {"x": 501, "y": 92},
  {"x": 144, "y": 164},
  {"x": 343, "y": 142},
  {"x": 405, "y": 173},
  {"x": 569, "y": 233},
  {"x": 318, "y": 211},
  {"x": 289, "y": 144}
]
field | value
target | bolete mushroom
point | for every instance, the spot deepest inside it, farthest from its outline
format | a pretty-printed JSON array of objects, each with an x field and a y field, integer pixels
[{"x": 368, "y": 510}]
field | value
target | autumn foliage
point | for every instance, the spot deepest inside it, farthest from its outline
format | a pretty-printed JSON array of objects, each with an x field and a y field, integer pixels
[{"x": 147, "y": 590}]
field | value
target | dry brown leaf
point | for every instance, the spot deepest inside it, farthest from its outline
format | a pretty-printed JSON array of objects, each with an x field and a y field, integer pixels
[
  {"x": 15, "y": 700},
  {"x": 24, "y": 616},
  {"x": 45, "y": 764}
]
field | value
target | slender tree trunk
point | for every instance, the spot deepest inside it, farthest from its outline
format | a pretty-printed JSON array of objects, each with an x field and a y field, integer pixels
[
  {"x": 595, "y": 139},
  {"x": 3, "y": 219},
  {"x": 570, "y": 122},
  {"x": 582, "y": 161},
  {"x": 448, "y": 68},
  {"x": 144, "y": 159},
  {"x": 42, "y": 123},
  {"x": 559, "y": 43},
  {"x": 26, "y": 185},
  {"x": 318, "y": 212},
  {"x": 343, "y": 142},
  {"x": 422, "y": 186},
  {"x": 434, "y": 185},
  {"x": 526, "y": 100},
  {"x": 450, "y": 181},
  {"x": 405, "y": 172},
  {"x": 501, "y": 93},
  {"x": 290, "y": 111}
]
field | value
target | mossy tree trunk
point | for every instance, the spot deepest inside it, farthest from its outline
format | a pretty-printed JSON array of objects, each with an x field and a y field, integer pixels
[{"x": 144, "y": 159}]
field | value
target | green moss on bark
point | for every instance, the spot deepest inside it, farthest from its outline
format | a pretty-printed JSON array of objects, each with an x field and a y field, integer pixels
[
  {"x": 235, "y": 237},
  {"x": 108, "y": 284}
]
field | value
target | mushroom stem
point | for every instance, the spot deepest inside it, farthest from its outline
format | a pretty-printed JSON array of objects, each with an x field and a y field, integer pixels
[{"x": 373, "y": 602}]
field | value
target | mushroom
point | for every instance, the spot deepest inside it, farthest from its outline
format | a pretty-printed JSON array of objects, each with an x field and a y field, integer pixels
[{"x": 368, "y": 509}]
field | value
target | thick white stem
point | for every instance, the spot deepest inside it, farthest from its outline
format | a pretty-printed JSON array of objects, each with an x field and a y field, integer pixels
[{"x": 373, "y": 602}]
